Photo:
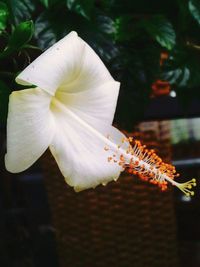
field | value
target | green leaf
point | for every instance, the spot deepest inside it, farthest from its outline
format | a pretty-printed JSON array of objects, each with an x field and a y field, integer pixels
[
  {"x": 3, "y": 15},
  {"x": 123, "y": 24},
  {"x": 178, "y": 76},
  {"x": 49, "y": 28},
  {"x": 4, "y": 96},
  {"x": 194, "y": 8},
  {"x": 182, "y": 68},
  {"x": 161, "y": 30},
  {"x": 83, "y": 8},
  {"x": 21, "y": 36},
  {"x": 45, "y": 3},
  {"x": 20, "y": 10},
  {"x": 49, "y": 3}
]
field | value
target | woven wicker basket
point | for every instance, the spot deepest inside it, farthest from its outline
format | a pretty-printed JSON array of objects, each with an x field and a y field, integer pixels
[{"x": 126, "y": 224}]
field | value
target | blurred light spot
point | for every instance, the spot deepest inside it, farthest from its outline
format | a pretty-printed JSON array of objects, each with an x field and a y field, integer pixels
[
  {"x": 172, "y": 94},
  {"x": 185, "y": 198}
]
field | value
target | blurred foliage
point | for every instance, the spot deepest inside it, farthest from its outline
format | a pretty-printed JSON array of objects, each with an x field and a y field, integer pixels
[{"x": 128, "y": 35}]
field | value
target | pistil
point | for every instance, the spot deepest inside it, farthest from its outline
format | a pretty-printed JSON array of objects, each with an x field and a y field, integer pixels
[{"x": 148, "y": 166}]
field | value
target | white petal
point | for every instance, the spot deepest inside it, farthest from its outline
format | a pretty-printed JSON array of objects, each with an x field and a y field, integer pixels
[
  {"x": 79, "y": 150},
  {"x": 70, "y": 64},
  {"x": 30, "y": 128},
  {"x": 93, "y": 105},
  {"x": 92, "y": 73}
]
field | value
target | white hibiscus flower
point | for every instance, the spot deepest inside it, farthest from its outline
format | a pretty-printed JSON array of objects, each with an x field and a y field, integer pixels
[{"x": 71, "y": 111}]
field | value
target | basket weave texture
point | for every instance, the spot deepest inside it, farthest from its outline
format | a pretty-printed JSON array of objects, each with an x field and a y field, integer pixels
[{"x": 128, "y": 223}]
